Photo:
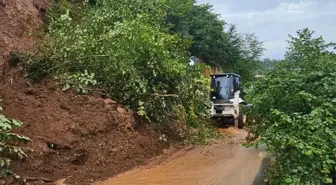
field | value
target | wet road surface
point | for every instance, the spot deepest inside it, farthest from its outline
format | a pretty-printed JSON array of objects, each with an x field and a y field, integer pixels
[{"x": 225, "y": 162}]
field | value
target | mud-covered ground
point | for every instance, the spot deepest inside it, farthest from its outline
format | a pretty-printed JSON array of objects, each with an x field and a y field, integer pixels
[
  {"x": 21, "y": 26},
  {"x": 225, "y": 162}
]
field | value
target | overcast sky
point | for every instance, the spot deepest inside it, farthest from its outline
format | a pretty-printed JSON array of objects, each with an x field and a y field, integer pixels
[{"x": 273, "y": 20}]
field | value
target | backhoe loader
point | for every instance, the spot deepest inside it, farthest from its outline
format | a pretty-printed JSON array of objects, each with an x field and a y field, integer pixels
[
  {"x": 227, "y": 99},
  {"x": 227, "y": 96}
]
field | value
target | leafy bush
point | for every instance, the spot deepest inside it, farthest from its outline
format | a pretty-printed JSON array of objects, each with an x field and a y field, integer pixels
[
  {"x": 294, "y": 109},
  {"x": 8, "y": 144},
  {"x": 78, "y": 81}
]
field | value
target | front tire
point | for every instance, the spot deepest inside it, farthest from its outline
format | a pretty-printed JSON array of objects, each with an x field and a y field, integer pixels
[{"x": 241, "y": 121}]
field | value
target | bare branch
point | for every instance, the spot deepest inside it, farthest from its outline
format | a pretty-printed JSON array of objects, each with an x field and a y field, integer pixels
[{"x": 165, "y": 95}]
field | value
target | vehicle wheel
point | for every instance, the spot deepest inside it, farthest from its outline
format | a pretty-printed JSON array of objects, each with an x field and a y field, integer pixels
[{"x": 241, "y": 121}]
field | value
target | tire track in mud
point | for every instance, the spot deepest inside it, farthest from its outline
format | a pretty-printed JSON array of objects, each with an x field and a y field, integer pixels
[{"x": 224, "y": 162}]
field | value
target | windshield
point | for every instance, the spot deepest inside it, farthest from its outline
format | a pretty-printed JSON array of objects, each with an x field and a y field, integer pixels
[{"x": 223, "y": 87}]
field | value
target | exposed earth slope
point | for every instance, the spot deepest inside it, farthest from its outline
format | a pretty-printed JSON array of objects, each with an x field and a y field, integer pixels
[
  {"x": 82, "y": 138},
  {"x": 21, "y": 25}
]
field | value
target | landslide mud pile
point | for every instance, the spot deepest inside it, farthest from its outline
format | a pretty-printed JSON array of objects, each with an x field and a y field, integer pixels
[
  {"x": 21, "y": 25},
  {"x": 81, "y": 138}
]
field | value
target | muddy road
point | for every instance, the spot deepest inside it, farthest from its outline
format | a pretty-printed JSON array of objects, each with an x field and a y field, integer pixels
[{"x": 225, "y": 162}]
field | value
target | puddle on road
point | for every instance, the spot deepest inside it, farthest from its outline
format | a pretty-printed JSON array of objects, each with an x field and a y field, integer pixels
[
  {"x": 223, "y": 163},
  {"x": 243, "y": 168}
]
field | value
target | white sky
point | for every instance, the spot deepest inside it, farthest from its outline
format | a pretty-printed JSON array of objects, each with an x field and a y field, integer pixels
[{"x": 273, "y": 20}]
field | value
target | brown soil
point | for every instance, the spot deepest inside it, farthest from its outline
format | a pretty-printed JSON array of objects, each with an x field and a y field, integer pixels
[
  {"x": 77, "y": 137},
  {"x": 18, "y": 19},
  {"x": 224, "y": 162}
]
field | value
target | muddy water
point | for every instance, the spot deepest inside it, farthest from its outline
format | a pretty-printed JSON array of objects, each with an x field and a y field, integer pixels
[{"x": 225, "y": 162}]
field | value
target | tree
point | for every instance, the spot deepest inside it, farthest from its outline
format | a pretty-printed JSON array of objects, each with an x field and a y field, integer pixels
[
  {"x": 249, "y": 53},
  {"x": 265, "y": 66},
  {"x": 305, "y": 50},
  {"x": 233, "y": 51},
  {"x": 294, "y": 110},
  {"x": 176, "y": 14}
]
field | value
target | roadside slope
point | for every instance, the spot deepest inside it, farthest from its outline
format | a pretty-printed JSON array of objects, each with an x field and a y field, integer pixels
[
  {"x": 81, "y": 138},
  {"x": 19, "y": 18}
]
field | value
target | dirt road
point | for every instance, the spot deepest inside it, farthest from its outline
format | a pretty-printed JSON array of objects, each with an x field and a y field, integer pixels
[{"x": 225, "y": 162}]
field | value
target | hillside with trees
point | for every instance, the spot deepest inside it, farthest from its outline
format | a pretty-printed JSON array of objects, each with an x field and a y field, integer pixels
[
  {"x": 104, "y": 86},
  {"x": 266, "y": 65}
]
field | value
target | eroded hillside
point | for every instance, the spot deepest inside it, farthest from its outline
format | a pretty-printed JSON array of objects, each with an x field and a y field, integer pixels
[{"x": 21, "y": 24}]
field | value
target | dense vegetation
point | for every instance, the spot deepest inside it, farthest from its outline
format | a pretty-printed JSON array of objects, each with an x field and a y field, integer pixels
[
  {"x": 265, "y": 66},
  {"x": 216, "y": 42},
  {"x": 137, "y": 52},
  {"x": 294, "y": 110},
  {"x": 123, "y": 48}
]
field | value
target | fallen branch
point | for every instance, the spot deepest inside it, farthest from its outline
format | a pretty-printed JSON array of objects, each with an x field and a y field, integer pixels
[
  {"x": 38, "y": 178},
  {"x": 165, "y": 95},
  {"x": 99, "y": 92}
]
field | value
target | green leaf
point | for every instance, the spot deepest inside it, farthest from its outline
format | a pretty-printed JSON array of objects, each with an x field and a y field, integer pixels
[
  {"x": 2, "y": 163},
  {"x": 288, "y": 180},
  {"x": 328, "y": 180},
  {"x": 309, "y": 153},
  {"x": 329, "y": 161},
  {"x": 7, "y": 162}
]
